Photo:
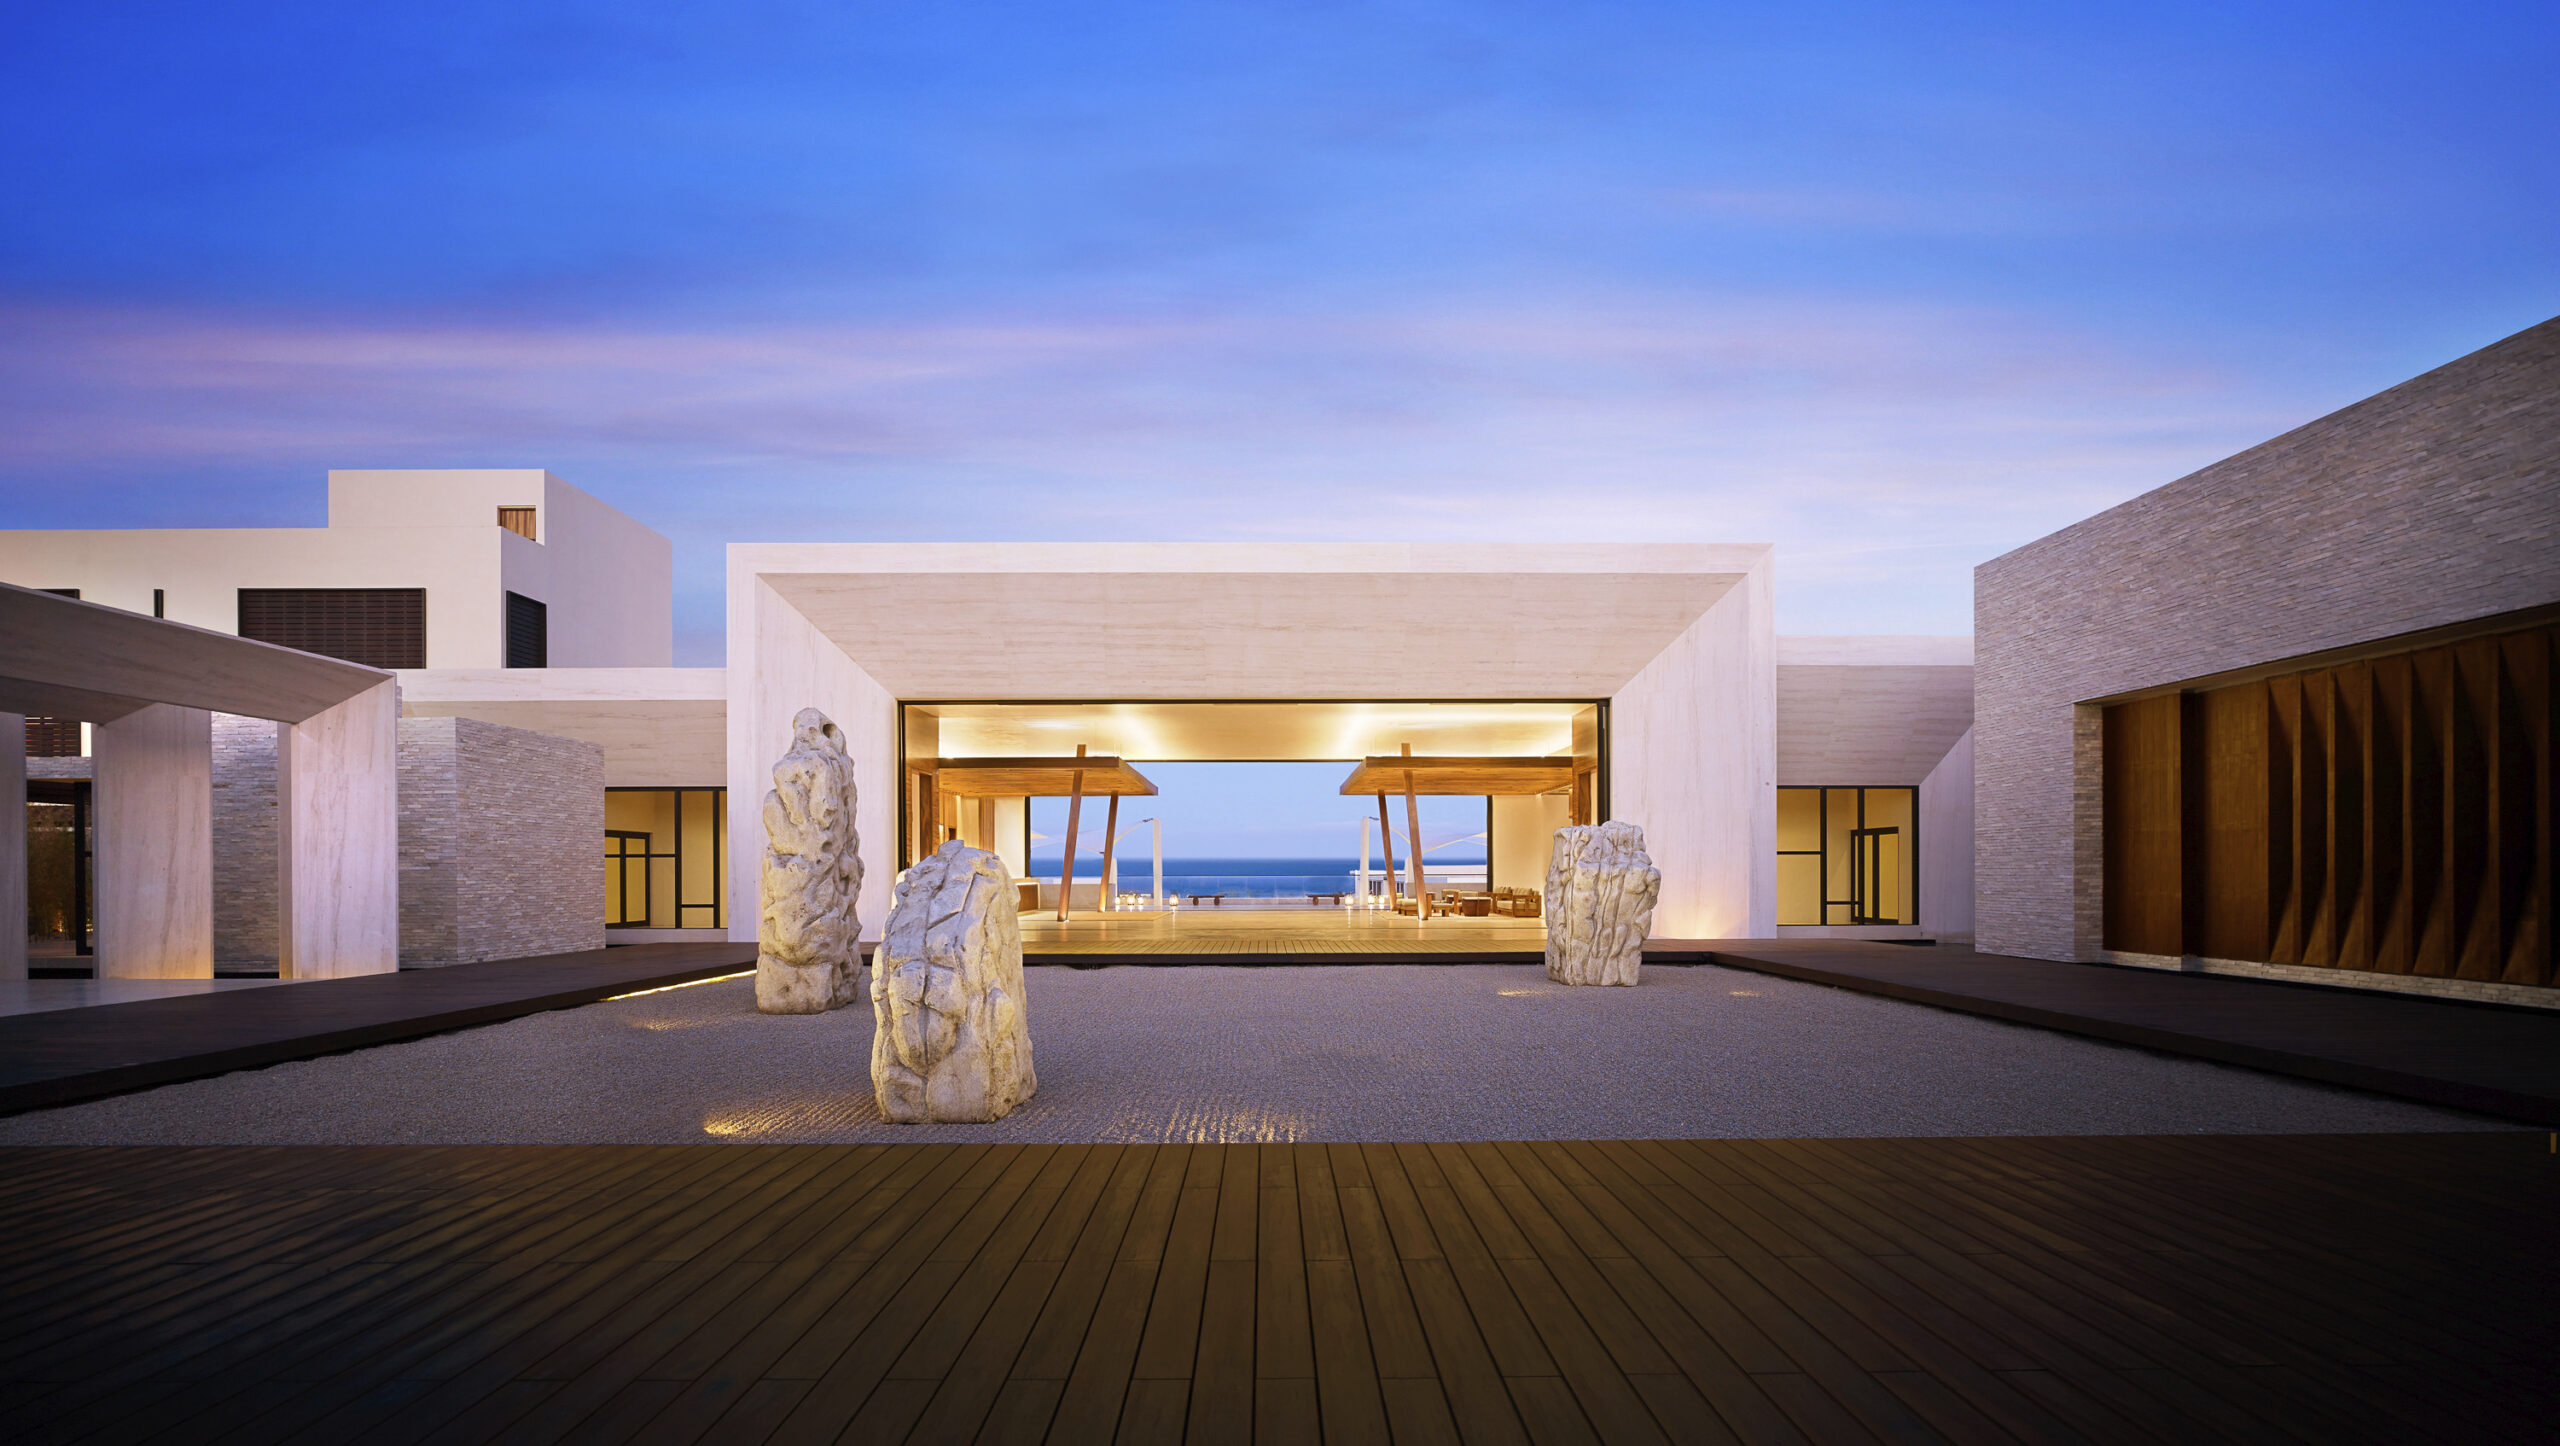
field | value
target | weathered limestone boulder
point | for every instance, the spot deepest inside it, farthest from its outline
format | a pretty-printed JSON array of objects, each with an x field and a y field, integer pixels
[
  {"x": 950, "y": 1040},
  {"x": 808, "y": 938},
  {"x": 1601, "y": 889}
]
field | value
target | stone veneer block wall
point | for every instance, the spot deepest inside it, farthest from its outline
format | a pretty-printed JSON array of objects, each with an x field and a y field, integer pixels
[
  {"x": 501, "y": 843},
  {"x": 244, "y": 844},
  {"x": 2433, "y": 503}
]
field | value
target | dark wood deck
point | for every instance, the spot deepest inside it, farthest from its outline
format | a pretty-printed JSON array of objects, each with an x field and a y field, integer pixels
[
  {"x": 2127, "y": 1289},
  {"x": 2503, "y": 1061},
  {"x": 63, "y": 1056}
]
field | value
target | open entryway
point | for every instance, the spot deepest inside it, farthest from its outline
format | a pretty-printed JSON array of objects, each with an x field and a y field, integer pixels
[{"x": 1221, "y": 831}]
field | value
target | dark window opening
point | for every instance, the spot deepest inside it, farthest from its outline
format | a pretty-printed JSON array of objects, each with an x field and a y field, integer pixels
[
  {"x": 53, "y": 737},
  {"x": 528, "y": 632},
  {"x": 380, "y": 627},
  {"x": 61, "y": 869},
  {"x": 518, "y": 520}
]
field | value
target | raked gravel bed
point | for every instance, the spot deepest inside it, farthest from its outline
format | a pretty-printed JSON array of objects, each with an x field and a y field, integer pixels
[{"x": 1372, "y": 1052}]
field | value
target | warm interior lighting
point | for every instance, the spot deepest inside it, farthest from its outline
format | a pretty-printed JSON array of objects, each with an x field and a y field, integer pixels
[{"x": 688, "y": 984}]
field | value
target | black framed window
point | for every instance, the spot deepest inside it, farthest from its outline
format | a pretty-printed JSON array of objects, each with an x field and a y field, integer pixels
[
  {"x": 528, "y": 632},
  {"x": 1848, "y": 855},
  {"x": 626, "y": 879},
  {"x": 666, "y": 858},
  {"x": 380, "y": 627}
]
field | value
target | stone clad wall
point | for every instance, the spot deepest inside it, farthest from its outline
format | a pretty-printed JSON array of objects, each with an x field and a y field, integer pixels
[
  {"x": 244, "y": 845},
  {"x": 430, "y": 843},
  {"x": 501, "y": 843},
  {"x": 2433, "y": 503}
]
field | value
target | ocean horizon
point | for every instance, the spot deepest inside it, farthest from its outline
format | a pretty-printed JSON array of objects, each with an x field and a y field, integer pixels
[{"x": 1245, "y": 878}]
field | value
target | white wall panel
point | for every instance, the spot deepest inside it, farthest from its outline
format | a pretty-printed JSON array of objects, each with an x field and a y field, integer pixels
[
  {"x": 154, "y": 880},
  {"x": 338, "y": 839},
  {"x": 778, "y": 665},
  {"x": 1693, "y": 761}
]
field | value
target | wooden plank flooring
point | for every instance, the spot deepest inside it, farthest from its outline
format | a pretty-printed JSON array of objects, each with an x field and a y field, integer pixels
[
  {"x": 2124, "y": 1289},
  {"x": 63, "y": 1056},
  {"x": 2499, "y": 1060}
]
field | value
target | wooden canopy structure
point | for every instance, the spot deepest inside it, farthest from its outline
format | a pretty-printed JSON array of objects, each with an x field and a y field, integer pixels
[
  {"x": 1097, "y": 774},
  {"x": 1414, "y": 776},
  {"x": 1073, "y": 779},
  {"x": 1471, "y": 777}
]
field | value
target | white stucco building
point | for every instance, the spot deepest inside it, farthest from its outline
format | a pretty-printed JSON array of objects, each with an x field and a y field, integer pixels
[{"x": 1784, "y": 785}]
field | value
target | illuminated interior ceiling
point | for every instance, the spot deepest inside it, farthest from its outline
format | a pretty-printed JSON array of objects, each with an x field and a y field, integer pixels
[
  {"x": 1039, "y": 777},
  {"x": 1261, "y": 732},
  {"x": 1468, "y": 777}
]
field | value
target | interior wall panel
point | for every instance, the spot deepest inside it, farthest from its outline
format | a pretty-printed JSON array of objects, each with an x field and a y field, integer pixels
[
  {"x": 2390, "y": 815},
  {"x": 2144, "y": 874}
]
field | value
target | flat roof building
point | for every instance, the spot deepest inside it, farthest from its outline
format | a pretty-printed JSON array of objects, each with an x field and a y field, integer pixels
[{"x": 2290, "y": 715}]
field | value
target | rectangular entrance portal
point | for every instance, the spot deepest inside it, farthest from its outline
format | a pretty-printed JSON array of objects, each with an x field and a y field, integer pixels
[{"x": 1260, "y": 830}]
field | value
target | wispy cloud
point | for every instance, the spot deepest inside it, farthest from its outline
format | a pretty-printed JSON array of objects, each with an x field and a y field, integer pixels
[{"x": 1879, "y": 445}]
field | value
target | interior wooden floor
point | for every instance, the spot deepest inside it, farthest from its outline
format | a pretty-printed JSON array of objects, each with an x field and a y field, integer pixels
[
  {"x": 1215, "y": 932},
  {"x": 2122, "y": 1289}
]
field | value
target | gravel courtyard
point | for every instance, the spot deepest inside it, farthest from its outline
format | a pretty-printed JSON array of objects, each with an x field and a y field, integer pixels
[{"x": 1373, "y": 1052}]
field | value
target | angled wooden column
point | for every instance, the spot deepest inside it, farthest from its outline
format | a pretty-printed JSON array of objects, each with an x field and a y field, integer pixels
[
  {"x": 1067, "y": 861},
  {"x": 1387, "y": 852},
  {"x": 2428, "y": 828},
  {"x": 154, "y": 884},
  {"x": 338, "y": 839},
  {"x": 2386, "y": 809},
  {"x": 13, "y": 846},
  {"x": 2471, "y": 804},
  {"x": 1413, "y": 844},
  {"x": 2520, "y": 821},
  {"x": 2351, "y": 713},
  {"x": 1110, "y": 844}
]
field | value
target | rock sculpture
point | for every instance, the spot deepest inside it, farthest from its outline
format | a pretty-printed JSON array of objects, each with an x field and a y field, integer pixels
[
  {"x": 808, "y": 949},
  {"x": 950, "y": 1040},
  {"x": 1601, "y": 889}
]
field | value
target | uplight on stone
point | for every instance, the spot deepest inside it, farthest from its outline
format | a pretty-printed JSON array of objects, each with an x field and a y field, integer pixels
[
  {"x": 950, "y": 1040},
  {"x": 808, "y": 950},
  {"x": 1601, "y": 888}
]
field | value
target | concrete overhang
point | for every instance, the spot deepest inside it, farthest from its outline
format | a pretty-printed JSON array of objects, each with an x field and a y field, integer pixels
[
  {"x": 659, "y": 727},
  {"x": 61, "y": 657},
  {"x": 1870, "y": 710},
  {"x": 1247, "y": 620}
]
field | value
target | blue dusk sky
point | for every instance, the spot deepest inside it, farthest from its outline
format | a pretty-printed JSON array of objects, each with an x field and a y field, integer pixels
[{"x": 1896, "y": 287}]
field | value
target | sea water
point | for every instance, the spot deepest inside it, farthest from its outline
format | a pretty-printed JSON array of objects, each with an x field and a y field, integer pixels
[{"x": 1281, "y": 879}]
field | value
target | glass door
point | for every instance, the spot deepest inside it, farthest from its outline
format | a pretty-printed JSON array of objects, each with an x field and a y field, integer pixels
[{"x": 1875, "y": 876}]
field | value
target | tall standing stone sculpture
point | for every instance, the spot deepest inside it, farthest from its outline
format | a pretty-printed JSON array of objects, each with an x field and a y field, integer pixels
[
  {"x": 950, "y": 1040},
  {"x": 808, "y": 938},
  {"x": 1601, "y": 889}
]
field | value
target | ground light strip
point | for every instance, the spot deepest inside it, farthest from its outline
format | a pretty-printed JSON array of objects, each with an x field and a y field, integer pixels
[{"x": 688, "y": 984}]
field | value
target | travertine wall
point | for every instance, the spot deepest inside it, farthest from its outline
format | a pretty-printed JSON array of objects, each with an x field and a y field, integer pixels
[
  {"x": 2433, "y": 503},
  {"x": 1870, "y": 710},
  {"x": 1946, "y": 845},
  {"x": 244, "y": 844},
  {"x": 501, "y": 843}
]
